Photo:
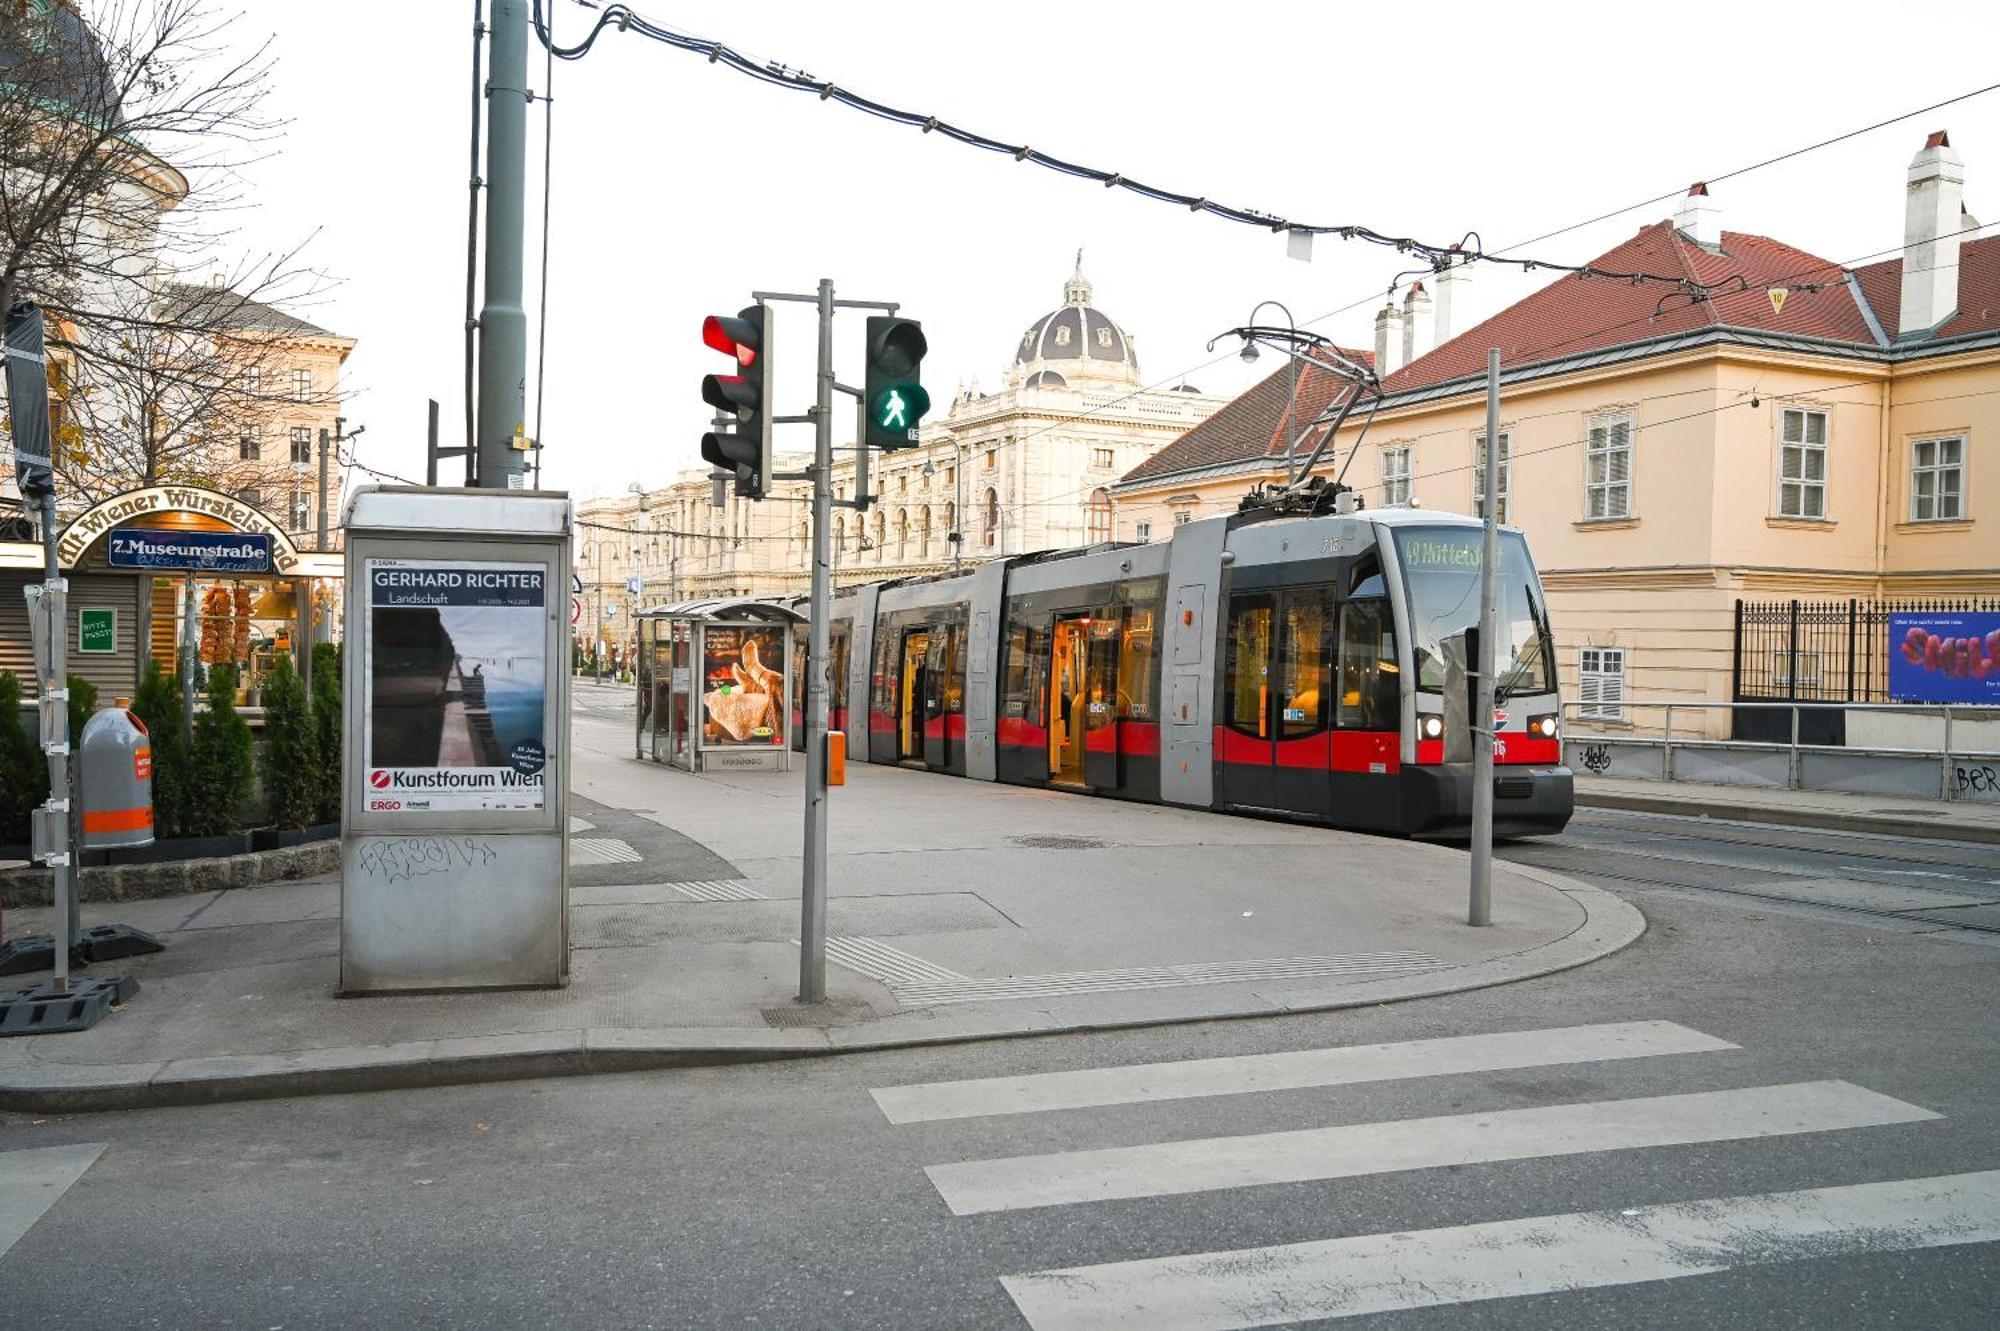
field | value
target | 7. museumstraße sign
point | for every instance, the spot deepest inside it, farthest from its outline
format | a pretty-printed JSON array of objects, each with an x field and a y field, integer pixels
[
  {"x": 190, "y": 551},
  {"x": 94, "y": 521}
]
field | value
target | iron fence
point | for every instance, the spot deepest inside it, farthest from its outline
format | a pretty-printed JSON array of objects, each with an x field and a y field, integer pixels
[{"x": 1824, "y": 651}]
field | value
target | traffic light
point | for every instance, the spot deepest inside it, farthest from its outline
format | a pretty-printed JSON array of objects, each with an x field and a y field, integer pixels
[
  {"x": 746, "y": 450},
  {"x": 893, "y": 393}
]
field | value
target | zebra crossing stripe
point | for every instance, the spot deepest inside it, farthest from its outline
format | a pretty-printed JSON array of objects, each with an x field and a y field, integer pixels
[
  {"x": 1424, "y": 1143},
  {"x": 1188, "y": 1079},
  {"x": 33, "y": 1181},
  {"x": 1375, "y": 1273},
  {"x": 718, "y": 889}
]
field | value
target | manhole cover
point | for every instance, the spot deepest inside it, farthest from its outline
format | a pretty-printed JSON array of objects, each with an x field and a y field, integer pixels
[
  {"x": 1058, "y": 842},
  {"x": 791, "y": 1016}
]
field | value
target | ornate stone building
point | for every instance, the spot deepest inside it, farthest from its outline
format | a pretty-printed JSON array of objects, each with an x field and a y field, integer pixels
[{"x": 1025, "y": 468}]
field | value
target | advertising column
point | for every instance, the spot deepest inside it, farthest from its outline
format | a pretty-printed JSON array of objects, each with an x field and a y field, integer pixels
[{"x": 454, "y": 827}]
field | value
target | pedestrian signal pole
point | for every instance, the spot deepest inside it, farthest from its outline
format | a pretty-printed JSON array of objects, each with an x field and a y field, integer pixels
[{"x": 1480, "y": 908}]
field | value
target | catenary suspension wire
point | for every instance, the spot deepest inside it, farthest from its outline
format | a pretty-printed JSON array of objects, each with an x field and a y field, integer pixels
[{"x": 1468, "y": 248}]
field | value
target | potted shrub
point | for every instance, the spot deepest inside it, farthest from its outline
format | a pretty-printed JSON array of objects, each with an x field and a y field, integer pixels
[
  {"x": 220, "y": 770},
  {"x": 291, "y": 763}
]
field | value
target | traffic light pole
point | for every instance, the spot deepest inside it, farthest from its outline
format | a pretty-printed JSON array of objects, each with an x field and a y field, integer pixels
[
  {"x": 812, "y": 895},
  {"x": 813, "y": 876}
]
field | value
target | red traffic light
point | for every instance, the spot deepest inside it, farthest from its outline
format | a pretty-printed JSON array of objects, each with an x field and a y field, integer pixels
[{"x": 731, "y": 337}]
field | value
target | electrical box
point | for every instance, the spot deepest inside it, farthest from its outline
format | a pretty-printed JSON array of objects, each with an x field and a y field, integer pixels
[{"x": 455, "y": 768}]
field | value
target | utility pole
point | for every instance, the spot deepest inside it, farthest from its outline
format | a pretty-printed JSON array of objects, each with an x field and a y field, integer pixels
[
  {"x": 1480, "y": 909},
  {"x": 503, "y": 323}
]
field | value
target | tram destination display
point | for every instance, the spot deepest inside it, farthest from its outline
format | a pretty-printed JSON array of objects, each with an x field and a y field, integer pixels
[
  {"x": 457, "y": 687},
  {"x": 742, "y": 696}
]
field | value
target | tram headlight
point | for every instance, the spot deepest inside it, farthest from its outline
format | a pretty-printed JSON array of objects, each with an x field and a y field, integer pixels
[
  {"x": 1431, "y": 727},
  {"x": 1543, "y": 726}
]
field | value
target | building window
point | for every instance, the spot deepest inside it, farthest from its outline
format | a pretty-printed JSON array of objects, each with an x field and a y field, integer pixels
[
  {"x": 1142, "y": 531},
  {"x": 301, "y": 510},
  {"x": 1097, "y": 517},
  {"x": 302, "y": 443},
  {"x": 302, "y": 385},
  {"x": 250, "y": 444},
  {"x": 1182, "y": 518},
  {"x": 903, "y": 533},
  {"x": 1601, "y": 683},
  {"x": 991, "y": 525},
  {"x": 903, "y": 484},
  {"x": 992, "y": 458},
  {"x": 924, "y": 532},
  {"x": 1479, "y": 473},
  {"x": 253, "y": 380},
  {"x": 1608, "y": 467},
  {"x": 1937, "y": 479},
  {"x": 1808, "y": 671},
  {"x": 251, "y": 495},
  {"x": 1101, "y": 457},
  {"x": 1802, "y": 464},
  {"x": 1396, "y": 474}
]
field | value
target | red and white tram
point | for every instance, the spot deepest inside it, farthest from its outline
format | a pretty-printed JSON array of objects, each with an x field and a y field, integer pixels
[{"x": 1311, "y": 666}]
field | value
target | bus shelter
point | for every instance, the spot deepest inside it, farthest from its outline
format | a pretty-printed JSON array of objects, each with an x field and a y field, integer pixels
[{"x": 715, "y": 679}]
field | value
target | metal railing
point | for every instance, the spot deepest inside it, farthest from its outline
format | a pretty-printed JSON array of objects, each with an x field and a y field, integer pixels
[{"x": 1969, "y": 774}]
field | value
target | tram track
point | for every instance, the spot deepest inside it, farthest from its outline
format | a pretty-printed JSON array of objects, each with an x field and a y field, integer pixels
[{"x": 1912, "y": 915}]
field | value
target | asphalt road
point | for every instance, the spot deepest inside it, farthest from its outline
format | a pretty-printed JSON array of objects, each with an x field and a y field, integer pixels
[{"x": 1861, "y": 1050}]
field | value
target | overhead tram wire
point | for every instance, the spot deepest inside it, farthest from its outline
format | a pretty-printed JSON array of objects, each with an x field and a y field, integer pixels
[{"x": 781, "y": 75}]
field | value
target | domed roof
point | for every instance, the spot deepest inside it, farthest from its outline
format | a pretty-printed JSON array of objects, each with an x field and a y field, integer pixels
[
  {"x": 51, "y": 51},
  {"x": 1076, "y": 341}
]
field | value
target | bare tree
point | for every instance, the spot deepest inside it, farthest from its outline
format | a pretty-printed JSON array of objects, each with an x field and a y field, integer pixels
[{"x": 125, "y": 126}]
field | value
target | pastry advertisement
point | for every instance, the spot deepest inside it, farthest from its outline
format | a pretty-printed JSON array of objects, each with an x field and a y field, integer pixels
[
  {"x": 457, "y": 685},
  {"x": 743, "y": 685}
]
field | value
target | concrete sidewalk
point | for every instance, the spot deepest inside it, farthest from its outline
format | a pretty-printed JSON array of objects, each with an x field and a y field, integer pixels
[
  {"x": 1878, "y": 815},
  {"x": 959, "y": 911}
]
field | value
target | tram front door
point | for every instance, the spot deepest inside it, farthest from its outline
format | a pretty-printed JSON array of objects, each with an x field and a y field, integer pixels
[
  {"x": 1083, "y": 701},
  {"x": 1273, "y": 744},
  {"x": 915, "y": 695}
]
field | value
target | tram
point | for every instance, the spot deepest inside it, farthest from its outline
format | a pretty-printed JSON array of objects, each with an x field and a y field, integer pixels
[{"x": 1312, "y": 667}]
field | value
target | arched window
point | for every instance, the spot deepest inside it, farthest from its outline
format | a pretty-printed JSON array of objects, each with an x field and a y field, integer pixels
[
  {"x": 902, "y": 533},
  {"x": 924, "y": 532},
  {"x": 992, "y": 521},
  {"x": 839, "y": 537},
  {"x": 950, "y": 525},
  {"x": 1097, "y": 516},
  {"x": 881, "y": 535}
]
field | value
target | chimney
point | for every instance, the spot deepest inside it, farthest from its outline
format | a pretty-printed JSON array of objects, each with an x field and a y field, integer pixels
[
  {"x": 1416, "y": 323},
  {"x": 1453, "y": 277},
  {"x": 1698, "y": 218},
  {"x": 1388, "y": 340},
  {"x": 1931, "y": 227}
]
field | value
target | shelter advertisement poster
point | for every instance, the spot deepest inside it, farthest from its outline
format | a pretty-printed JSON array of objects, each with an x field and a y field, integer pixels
[
  {"x": 457, "y": 685},
  {"x": 743, "y": 685},
  {"x": 1945, "y": 657}
]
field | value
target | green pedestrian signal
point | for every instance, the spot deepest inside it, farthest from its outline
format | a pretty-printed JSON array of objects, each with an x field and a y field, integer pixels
[
  {"x": 900, "y": 408},
  {"x": 892, "y": 386}
]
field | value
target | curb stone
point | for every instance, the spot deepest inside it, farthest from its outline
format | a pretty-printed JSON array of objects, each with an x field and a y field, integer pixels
[
  {"x": 170, "y": 878},
  {"x": 36, "y": 1085},
  {"x": 1827, "y": 820}
]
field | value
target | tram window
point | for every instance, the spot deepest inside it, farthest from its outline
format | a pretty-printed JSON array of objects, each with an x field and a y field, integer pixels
[
  {"x": 1368, "y": 695},
  {"x": 1137, "y": 668},
  {"x": 1302, "y": 665},
  {"x": 1016, "y": 685},
  {"x": 952, "y": 686},
  {"x": 887, "y": 643},
  {"x": 840, "y": 646},
  {"x": 1247, "y": 683}
]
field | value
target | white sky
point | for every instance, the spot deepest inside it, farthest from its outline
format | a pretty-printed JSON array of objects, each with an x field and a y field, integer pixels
[{"x": 1510, "y": 120}]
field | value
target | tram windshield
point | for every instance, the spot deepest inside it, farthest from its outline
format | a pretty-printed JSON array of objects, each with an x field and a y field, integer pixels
[{"x": 1441, "y": 570}]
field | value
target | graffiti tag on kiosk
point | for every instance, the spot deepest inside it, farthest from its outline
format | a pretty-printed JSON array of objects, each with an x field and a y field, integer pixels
[
  {"x": 1980, "y": 781},
  {"x": 404, "y": 858},
  {"x": 1597, "y": 757}
]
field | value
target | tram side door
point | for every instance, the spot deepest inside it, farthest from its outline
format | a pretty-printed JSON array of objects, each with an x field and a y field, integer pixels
[
  {"x": 914, "y": 681},
  {"x": 1100, "y": 702},
  {"x": 941, "y": 663},
  {"x": 1273, "y": 743}
]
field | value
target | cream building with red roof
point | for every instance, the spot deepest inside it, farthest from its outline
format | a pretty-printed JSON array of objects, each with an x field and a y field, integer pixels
[{"x": 1785, "y": 428}]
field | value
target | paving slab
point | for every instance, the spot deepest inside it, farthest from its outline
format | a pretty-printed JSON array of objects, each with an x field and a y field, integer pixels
[{"x": 945, "y": 927}]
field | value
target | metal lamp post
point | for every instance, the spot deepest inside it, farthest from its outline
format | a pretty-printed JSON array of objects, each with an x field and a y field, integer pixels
[{"x": 1249, "y": 355}]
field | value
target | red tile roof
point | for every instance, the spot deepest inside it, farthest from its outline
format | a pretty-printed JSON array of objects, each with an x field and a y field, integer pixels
[{"x": 1575, "y": 315}]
